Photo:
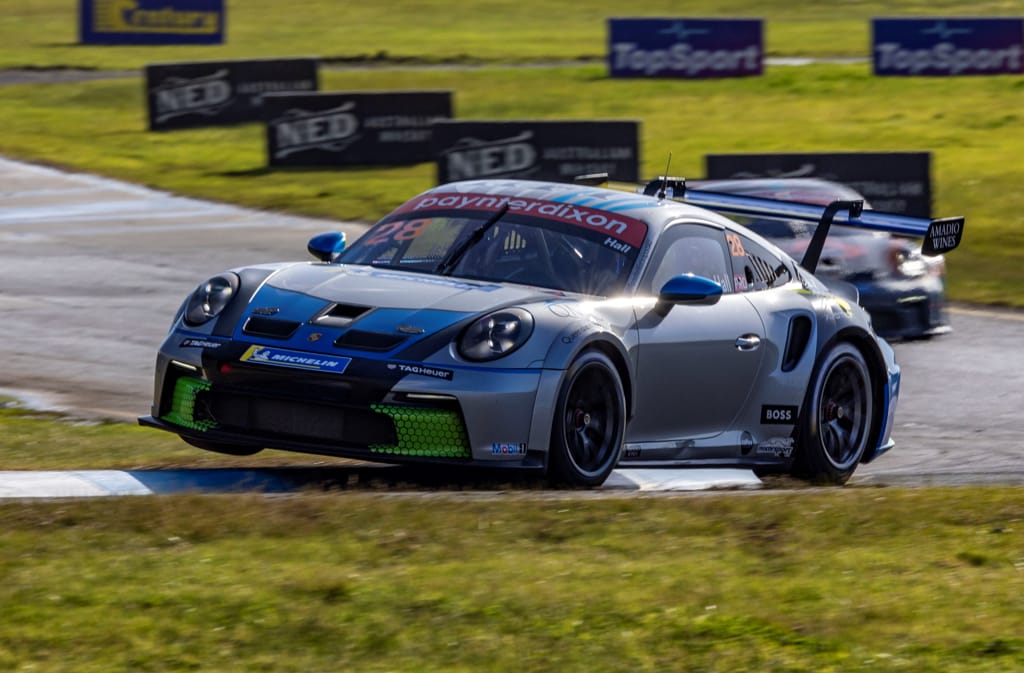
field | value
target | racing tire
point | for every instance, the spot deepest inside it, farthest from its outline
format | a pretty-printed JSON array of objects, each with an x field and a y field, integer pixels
[
  {"x": 837, "y": 421},
  {"x": 589, "y": 423},
  {"x": 219, "y": 447}
]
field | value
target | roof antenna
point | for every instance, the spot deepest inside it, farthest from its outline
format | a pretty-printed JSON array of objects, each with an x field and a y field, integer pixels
[{"x": 664, "y": 179}]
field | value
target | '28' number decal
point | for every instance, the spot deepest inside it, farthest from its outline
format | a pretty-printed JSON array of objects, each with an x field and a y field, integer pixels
[
  {"x": 398, "y": 231},
  {"x": 735, "y": 245}
]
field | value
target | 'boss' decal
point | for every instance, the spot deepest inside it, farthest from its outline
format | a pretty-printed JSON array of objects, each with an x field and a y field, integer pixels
[{"x": 778, "y": 414}]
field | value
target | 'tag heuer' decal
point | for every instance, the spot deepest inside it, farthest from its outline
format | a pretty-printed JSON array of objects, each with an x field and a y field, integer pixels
[
  {"x": 279, "y": 357},
  {"x": 626, "y": 229}
]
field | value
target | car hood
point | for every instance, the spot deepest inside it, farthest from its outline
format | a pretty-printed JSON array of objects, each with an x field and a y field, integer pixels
[
  {"x": 387, "y": 288},
  {"x": 314, "y": 305}
]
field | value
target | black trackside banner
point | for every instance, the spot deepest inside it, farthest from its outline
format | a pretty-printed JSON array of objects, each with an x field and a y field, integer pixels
[
  {"x": 212, "y": 93},
  {"x": 894, "y": 182},
  {"x": 392, "y": 128},
  {"x": 536, "y": 150}
]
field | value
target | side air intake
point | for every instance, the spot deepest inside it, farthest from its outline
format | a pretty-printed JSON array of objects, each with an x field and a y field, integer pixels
[{"x": 796, "y": 342}]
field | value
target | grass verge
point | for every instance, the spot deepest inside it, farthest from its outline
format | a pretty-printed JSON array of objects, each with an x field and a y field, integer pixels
[
  {"x": 843, "y": 580},
  {"x": 32, "y": 440}
]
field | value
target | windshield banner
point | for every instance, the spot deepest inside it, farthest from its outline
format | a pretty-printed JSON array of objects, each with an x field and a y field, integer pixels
[{"x": 622, "y": 228}]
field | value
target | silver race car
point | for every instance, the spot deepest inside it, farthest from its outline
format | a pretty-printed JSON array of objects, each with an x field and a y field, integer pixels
[{"x": 545, "y": 326}]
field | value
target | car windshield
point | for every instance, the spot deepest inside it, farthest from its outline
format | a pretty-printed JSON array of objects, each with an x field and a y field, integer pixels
[{"x": 515, "y": 247}]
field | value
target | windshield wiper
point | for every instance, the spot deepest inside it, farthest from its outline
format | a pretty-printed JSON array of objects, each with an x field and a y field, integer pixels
[{"x": 452, "y": 258}]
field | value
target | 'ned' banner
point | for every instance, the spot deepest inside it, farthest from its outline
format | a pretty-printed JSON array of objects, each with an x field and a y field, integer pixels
[
  {"x": 391, "y": 128},
  {"x": 896, "y": 182},
  {"x": 685, "y": 48},
  {"x": 151, "y": 21},
  {"x": 944, "y": 47},
  {"x": 211, "y": 93},
  {"x": 536, "y": 150}
]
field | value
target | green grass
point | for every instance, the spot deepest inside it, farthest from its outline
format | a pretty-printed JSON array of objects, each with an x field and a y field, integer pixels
[
  {"x": 970, "y": 124},
  {"x": 843, "y": 580},
  {"x": 43, "y": 441},
  {"x": 44, "y": 33}
]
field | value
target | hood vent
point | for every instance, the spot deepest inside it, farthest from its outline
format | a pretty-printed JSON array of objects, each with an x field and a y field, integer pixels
[
  {"x": 270, "y": 327},
  {"x": 369, "y": 341},
  {"x": 339, "y": 315}
]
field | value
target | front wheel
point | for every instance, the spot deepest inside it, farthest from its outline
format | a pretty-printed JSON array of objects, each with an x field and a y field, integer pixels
[
  {"x": 835, "y": 427},
  {"x": 589, "y": 423}
]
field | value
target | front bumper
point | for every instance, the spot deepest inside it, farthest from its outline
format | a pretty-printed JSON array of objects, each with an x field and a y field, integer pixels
[
  {"x": 477, "y": 417},
  {"x": 905, "y": 309}
]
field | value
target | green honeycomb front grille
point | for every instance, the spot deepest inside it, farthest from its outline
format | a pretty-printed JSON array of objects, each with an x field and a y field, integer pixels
[
  {"x": 432, "y": 433},
  {"x": 183, "y": 404}
]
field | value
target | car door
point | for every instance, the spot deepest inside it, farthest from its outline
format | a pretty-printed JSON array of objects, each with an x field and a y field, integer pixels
[{"x": 696, "y": 362}]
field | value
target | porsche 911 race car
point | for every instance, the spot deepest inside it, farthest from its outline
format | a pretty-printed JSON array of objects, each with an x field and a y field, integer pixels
[
  {"x": 545, "y": 326},
  {"x": 902, "y": 290}
]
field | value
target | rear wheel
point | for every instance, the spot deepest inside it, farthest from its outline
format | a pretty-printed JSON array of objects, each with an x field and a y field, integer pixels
[
  {"x": 589, "y": 424},
  {"x": 835, "y": 427}
]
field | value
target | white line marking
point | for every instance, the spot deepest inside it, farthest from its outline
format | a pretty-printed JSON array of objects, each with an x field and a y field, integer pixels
[
  {"x": 653, "y": 479},
  {"x": 83, "y": 484}
]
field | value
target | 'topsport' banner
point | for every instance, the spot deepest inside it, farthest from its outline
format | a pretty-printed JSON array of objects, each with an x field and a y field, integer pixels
[
  {"x": 151, "y": 21},
  {"x": 982, "y": 46},
  {"x": 538, "y": 150},
  {"x": 209, "y": 93},
  {"x": 346, "y": 129},
  {"x": 896, "y": 182},
  {"x": 685, "y": 48}
]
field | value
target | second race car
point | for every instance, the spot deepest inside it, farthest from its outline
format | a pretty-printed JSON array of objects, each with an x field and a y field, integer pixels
[{"x": 903, "y": 290}]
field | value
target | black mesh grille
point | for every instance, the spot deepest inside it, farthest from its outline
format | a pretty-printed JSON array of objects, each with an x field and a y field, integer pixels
[{"x": 298, "y": 419}]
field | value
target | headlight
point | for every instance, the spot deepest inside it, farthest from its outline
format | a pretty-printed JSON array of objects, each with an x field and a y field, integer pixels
[
  {"x": 496, "y": 335},
  {"x": 907, "y": 262},
  {"x": 211, "y": 298}
]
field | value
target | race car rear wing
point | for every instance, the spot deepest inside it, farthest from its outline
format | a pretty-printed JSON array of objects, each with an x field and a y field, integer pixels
[{"x": 940, "y": 235}]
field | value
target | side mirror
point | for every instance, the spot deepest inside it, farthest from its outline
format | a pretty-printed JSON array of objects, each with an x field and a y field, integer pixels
[
  {"x": 689, "y": 289},
  {"x": 326, "y": 247}
]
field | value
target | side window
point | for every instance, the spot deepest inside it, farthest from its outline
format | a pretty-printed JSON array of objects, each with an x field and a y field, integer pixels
[
  {"x": 754, "y": 267},
  {"x": 688, "y": 248}
]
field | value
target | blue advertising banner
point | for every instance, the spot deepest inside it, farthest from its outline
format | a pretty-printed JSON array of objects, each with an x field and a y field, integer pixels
[
  {"x": 685, "y": 48},
  {"x": 151, "y": 21},
  {"x": 946, "y": 46}
]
